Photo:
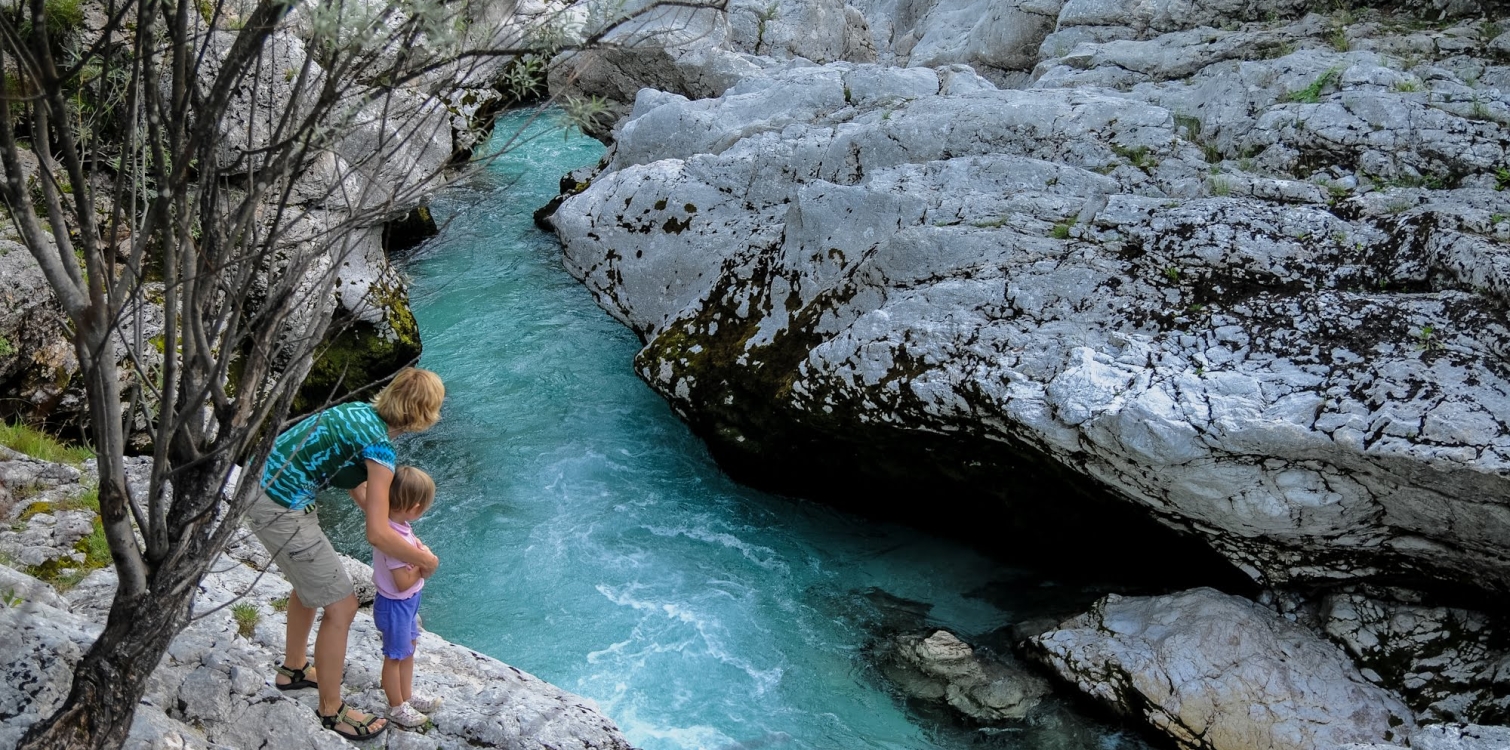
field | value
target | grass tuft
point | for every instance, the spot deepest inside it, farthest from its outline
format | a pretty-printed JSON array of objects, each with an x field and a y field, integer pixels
[
  {"x": 38, "y": 444},
  {"x": 246, "y": 615}
]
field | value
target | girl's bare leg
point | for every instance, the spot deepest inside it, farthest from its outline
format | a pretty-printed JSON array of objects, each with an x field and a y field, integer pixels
[
  {"x": 406, "y": 676},
  {"x": 393, "y": 685}
]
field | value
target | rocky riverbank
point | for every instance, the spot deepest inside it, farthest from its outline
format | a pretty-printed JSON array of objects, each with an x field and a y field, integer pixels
[
  {"x": 214, "y": 688},
  {"x": 1238, "y": 269}
]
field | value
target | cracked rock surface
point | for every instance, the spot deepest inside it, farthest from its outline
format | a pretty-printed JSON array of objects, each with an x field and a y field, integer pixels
[{"x": 1312, "y": 382}]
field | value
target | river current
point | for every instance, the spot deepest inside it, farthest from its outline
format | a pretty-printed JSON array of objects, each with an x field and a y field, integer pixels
[{"x": 586, "y": 536}]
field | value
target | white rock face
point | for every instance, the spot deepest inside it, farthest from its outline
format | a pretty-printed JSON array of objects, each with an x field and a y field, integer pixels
[
  {"x": 1317, "y": 391},
  {"x": 1220, "y": 673}
]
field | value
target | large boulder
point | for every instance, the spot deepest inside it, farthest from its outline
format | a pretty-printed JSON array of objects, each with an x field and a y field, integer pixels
[
  {"x": 1218, "y": 672},
  {"x": 834, "y": 265}
]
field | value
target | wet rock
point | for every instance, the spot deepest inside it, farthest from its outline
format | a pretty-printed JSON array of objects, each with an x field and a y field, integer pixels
[
  {"x": 1194, "y": 665},
  {"x": 986, "y": 687}
]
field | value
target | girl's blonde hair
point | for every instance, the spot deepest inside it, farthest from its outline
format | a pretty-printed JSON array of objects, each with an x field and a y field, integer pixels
[
  {"x": 412, "y": 489},
  {"x": 411, "y": 403}
]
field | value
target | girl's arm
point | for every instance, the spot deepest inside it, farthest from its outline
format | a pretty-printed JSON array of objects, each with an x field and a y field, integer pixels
[{"x": 382, "y": 536}]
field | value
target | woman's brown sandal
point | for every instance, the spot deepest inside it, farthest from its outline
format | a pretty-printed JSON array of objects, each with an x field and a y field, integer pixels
[
  {"x": 360, "y": 730},
  {"x": 297, "y": 678}
]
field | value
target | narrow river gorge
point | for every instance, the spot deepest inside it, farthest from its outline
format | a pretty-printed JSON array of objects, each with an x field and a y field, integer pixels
[{"x": 587, "y": 536}]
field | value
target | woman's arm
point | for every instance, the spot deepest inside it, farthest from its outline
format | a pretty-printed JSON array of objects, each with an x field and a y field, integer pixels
[
  {"x": 359, "y": 496},
  {"x": 380, "y": 535}
]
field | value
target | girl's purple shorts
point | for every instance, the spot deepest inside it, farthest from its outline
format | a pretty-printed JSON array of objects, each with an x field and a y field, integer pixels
[{"x": 398, "y": 621}]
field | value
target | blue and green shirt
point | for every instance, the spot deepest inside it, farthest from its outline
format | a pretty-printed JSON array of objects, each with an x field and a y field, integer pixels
[{"x": 328, "y": 448}]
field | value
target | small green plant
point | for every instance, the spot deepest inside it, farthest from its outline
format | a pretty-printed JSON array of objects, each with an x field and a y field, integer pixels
[
  {"x": 1497, "y": 218},
  {"x": 762, "y": 18},
  {"x": 1427, "y": 340},
  {"x": 1490, "y": 30},
  {"x": 1502, "y": 178},
  {"x": 1136, "y": 156},
  {"x": 1172, "y": 273},
  {"x": 63, "y": 15},
  {"x": 1220, "y": 188},
  {"x": 11, "y": 599},
  {"x": 1312, "y": 93},
  {"x": 1338, "y": 39},
  {"x": 1061, "y": 231},
  {"x": 6, "y": 348},
  {"x": 38, "y": 444},
  {"x": 280, "y": 604},
  {"x": 246, "y": 615},
  {"x": 1409, "y": 86}
]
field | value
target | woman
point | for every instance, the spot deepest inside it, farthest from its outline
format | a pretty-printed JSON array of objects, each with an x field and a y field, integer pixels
[{"x": 343, "y": 446}]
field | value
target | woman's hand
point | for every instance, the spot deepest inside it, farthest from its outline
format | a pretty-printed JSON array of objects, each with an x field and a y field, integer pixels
[
  {"x": 359, "y": 496},
  {"x": 430, "y": 571}
]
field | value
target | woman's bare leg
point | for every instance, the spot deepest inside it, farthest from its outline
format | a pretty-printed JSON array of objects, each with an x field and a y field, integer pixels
[{"x": 296, "y": 635}]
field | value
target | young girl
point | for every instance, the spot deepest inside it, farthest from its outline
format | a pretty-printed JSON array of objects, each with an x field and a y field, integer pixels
[
  {"x": 397, "y": 606},
  {"x": 344, "y": 446}
]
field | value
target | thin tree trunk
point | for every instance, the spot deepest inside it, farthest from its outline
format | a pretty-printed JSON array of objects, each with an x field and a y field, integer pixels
[{"x": 110, "y": 679}]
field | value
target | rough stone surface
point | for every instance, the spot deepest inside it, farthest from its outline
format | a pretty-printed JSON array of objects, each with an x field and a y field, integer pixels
[
  {"x": 1218, "y": 672},
  {"x": 214, "y": 688},
  {"x": 1317, "y": 390},
  {"x": 985, "y": 687}
]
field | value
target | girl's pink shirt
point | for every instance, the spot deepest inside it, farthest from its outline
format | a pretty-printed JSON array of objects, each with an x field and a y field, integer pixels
[{"x": 383, "y": 566}]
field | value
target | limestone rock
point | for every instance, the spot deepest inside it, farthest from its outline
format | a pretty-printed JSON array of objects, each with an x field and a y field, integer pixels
[
  {"x": 1314, "y": 392},
  {"x": 1218, "y": 672}
]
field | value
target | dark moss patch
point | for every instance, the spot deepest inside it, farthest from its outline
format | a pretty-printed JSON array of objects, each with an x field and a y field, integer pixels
[
  {"x": 357, "y": 354},
  {"x": 408, "y": 231}
]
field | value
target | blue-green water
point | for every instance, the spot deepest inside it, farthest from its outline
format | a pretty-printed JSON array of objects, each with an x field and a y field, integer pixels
[{"x": 587, "y": 537}]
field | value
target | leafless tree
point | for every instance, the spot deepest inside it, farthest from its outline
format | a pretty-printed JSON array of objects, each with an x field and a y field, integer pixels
[{"x": 207, "y": 167}]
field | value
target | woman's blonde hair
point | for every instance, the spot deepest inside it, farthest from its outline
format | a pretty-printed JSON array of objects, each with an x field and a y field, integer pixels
[
  {"x": 411, "y": 403},
  {"x": 412, "y": 489}
]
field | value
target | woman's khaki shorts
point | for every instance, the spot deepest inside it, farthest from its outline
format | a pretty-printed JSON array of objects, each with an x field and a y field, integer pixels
[{"x": 302, "y": 551}]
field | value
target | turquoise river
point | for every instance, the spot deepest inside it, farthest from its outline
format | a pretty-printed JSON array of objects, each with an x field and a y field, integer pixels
[{"x": 587, "y": 537}]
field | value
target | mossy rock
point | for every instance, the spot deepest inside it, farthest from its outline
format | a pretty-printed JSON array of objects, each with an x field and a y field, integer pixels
[{"x": 360, "y": 353}]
